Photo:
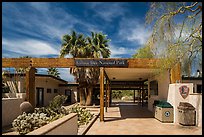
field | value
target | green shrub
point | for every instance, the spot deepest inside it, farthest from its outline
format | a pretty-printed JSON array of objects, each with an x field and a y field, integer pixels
[
  {"x": 57, "y": 101},
  {"x": 84, "y": 116},
  {"x": 26, "y": 123}
]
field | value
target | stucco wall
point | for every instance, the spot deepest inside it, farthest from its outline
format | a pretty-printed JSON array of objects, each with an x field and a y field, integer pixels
[
  {"x": 163, "y": 85},
  {"x": 10, "y": 110},
  {"x": 175, "y": 98},
  {"x": 46, "y": 83},
  {"x": 66, "y": 125}
]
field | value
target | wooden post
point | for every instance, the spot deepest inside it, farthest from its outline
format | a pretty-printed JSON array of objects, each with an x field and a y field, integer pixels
[
  {"x": 30, "y": 86},
  {"x": 101, "y": 94},
  {"x": 134, "y": 96},
  {"x": 142, "y": 93},
  {"x": 175, "y": 75},
  {"x": 106, "y": 95}
]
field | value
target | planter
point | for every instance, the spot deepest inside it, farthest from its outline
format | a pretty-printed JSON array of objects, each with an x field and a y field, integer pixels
[
  {"x": 66, "y": 125},
  {"x": 9, "y": 110},
  {"x": 84, "y": 128}
]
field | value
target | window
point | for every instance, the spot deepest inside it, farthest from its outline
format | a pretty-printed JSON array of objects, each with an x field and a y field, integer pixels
[
  {"x": 199, "y": 88},
  {"x": 154, "y": 87},
  {"x": 55, "y": 90},
  {"x": 49, "y": 90}
]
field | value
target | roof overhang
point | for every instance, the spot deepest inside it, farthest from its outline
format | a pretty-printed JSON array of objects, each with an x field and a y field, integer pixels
[{"x": 129, "y": 74}]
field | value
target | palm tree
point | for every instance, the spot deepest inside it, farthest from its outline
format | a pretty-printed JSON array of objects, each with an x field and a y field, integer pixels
[
  {"x": 98, "y": 47},
  {"x": 75, "y": 45},
  {"x": 90, "y": 47},
  {"x": 53, "y": 72}
]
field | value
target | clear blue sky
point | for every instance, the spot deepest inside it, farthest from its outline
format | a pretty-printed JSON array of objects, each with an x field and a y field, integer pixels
[{"x": 35, "y": 28}]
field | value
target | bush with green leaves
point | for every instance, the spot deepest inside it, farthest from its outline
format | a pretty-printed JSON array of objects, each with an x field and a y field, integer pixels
[
  {"x": 26, "y": 123},
  {"x": 84, "y": 116},
  {"x": 57, "y": 102},
  {"x": 30, "y": 121}
]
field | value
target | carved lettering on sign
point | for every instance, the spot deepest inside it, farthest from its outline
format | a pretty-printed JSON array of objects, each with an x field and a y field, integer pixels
[{"x": 100, "y": 63}]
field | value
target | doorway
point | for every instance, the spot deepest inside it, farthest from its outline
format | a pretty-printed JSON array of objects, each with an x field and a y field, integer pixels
[
  {"x": 68, "y": 94},
  {"x": 40, "y": 97}
]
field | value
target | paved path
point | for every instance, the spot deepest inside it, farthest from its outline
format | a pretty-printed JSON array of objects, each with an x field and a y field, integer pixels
[{"x": 126, "y": 118}]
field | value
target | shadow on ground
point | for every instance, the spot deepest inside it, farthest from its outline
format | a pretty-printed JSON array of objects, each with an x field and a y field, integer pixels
[{"x": 130, "y": 110}]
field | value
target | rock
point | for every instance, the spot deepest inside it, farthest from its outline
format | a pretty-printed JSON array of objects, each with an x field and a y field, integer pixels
[{"x": 26, "y": 107}]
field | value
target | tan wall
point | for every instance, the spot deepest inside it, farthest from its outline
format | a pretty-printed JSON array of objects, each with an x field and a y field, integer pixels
[
  {"x": 175, "y": 98},
  {"x": 66, "y": 125},
  {"x": 163, "y": 84},
  {"x": 46, "y": 82},
  {"x": 10, "y": 110}
]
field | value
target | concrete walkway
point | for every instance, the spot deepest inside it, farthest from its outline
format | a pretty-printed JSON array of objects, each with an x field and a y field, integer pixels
[{"x": 126, "y": 118}]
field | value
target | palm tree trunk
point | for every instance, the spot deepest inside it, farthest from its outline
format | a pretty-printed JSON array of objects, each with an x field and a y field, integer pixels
[
  {"x": 89, "y": 96},
  {"x": 82, "y": 96}
]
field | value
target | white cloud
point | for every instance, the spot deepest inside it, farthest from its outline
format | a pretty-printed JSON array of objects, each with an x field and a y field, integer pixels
[
  {"x": 29, "y": 47},
  {"x": 134, "y": 31},
  {"x": 65, "y": 74},
  {"x": 107, "y": 11},
  {"x": 117, "y": 52}
]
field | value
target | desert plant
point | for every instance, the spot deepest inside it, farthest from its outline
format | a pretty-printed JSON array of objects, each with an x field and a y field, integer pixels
[
  {"x": 57, "y": 101},
  {"x": 26, "y": 123},
  {"x": 84, "y": 116}
]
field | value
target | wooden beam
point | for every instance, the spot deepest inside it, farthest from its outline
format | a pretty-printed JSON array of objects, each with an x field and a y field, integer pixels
[
  {"x": 175, "y": 73},
  {"x": 53, "y": 62},
  {"x": 30, "y": 86},
  {"x": 16, "y": 62},
  {"x": 70, "y": 62},
  {"x": 143, "y": 63},
  {"x": 101, "y": 94},
  {"x": 38, "y": 62}
]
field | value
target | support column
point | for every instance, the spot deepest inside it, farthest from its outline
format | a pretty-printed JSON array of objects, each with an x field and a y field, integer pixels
[
  {"x": 101, "y": 94},
  {"x": 30, "y": 86},
  {"x": 142, "y": 93},
  {"x": 106, "y": 96},
  {"x": 175, "y": 73},
  {"x": 108, "y": 93},
  {"x": 134, "y": 96}
]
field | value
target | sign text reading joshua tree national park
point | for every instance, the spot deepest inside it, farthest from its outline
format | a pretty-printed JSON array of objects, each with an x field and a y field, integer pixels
[{"x": 101, "y": 63}]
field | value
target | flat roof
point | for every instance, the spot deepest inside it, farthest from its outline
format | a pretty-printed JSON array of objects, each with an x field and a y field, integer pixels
[
  {"x": 191, "y": 78},
  {"x": 38, "y": 75}
]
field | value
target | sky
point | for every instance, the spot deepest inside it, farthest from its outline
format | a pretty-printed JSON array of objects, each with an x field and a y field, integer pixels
[{"x": 36, "y": 28}]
